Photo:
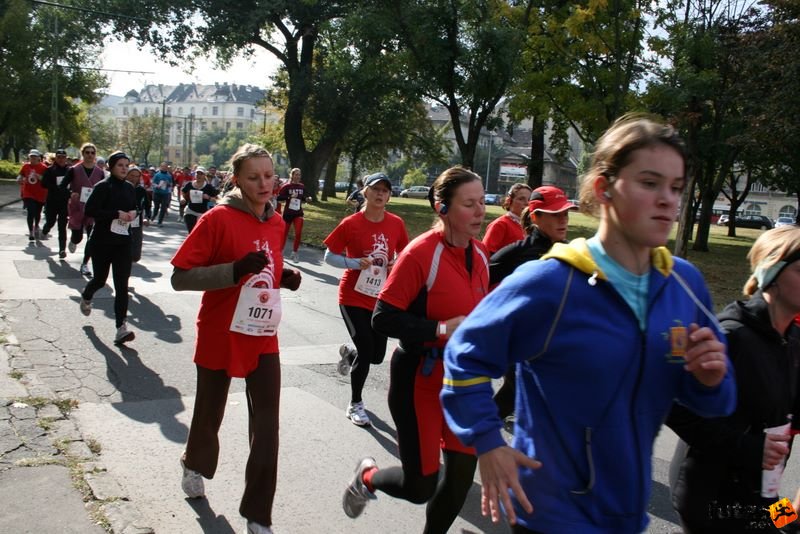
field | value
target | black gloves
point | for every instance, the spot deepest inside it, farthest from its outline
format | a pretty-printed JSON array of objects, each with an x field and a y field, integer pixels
[
  {"x": 251, "y": 263},
  {"x": 290, "y": 279}
]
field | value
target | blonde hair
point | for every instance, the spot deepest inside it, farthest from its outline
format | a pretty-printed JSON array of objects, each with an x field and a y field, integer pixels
[
  {"x": 88, "y": 145},
  {"x": 513, "y": 191},
  {"x": 613, "y": 150},
  {"x": 771, "y": 247},
  {"x": 245, "y": 152}
]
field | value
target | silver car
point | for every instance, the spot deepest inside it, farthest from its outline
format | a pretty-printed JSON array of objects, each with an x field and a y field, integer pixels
[{"x": 415, "y": 191}]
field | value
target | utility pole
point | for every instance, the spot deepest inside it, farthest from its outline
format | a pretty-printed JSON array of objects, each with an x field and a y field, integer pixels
[
  {"x": 54, "y": 91},
  {"x": 489, "y": 159},
  {"x": 191, "y": 134},
  {"x": 163, "y": 112}
]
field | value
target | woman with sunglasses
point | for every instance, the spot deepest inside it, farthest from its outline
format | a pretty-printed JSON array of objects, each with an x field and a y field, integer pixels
[{"x": 507, "y": 229}]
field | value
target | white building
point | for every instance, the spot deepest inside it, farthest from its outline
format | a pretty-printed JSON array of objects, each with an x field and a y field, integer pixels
[{"x": 191, "y": 109}]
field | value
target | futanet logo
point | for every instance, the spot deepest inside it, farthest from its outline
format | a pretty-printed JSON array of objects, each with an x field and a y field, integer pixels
[{"x": 782, "y": 513}]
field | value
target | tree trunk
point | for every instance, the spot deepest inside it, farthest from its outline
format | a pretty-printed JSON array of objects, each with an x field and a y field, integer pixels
[
  {"x": 732, "y": 220},
  {"x": 536, "y": 163},
  {"x": 330, "y": 174},
  {"x": 686, "y": 220},
  {"x": 704, "y": 223}
]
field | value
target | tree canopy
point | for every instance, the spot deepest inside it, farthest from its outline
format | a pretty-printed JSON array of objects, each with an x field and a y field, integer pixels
[{"x": 41, "y": 50}]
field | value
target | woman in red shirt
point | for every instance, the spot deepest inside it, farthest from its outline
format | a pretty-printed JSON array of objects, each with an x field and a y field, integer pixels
[
  {"x": 507, "y": 228},
  {"x": 233, "y": 255},
  {"x": 438, "y": 279},
  {"x": 364, "y": 244},
  {"x": 33, "y": 192},
  {"x": 294, "y": 193}
]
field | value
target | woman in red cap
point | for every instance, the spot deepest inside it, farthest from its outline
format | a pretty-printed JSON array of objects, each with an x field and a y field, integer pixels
[
  {"x": 545, "y": 222},
  {"x": 365, "y": 245},
  {"x": 507, "y": 228}
]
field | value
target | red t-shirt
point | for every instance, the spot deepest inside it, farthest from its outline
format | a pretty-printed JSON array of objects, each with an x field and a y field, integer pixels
[
  {"x": 147, "y": 180},
  {"x": 32, "y": 182},
  {"x": 501, "y": 232},
  {"x": 357, "y": 237},
  {"x": 452, "y": 292},
  {"x": 224, "y": 235}
]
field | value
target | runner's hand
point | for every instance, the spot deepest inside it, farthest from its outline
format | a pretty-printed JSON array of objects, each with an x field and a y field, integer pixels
[
  {"x": 364, "y": 263},
  {"x": 251, "y": 263},
  {"x": 705, "y": 356},
  {"x": 775, "y": 450},
  {"x": 499, "y": 474},
  {"x": 290, "y": 279}
]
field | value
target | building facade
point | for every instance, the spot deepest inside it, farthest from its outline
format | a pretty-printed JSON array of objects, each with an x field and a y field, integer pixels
[{"x": 187, "y": 110}]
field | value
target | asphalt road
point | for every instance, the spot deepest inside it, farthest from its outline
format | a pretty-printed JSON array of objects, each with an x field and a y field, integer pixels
[{"x": 136, "y": 402}]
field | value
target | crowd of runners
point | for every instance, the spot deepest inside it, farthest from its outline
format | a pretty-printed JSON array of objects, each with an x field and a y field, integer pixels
[{"x": 599, "y": 340}]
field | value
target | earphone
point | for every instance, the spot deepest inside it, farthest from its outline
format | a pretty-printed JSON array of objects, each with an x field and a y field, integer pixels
[
  {"x": 443, "y": 209},
  {"x": 607, "y": 195}
]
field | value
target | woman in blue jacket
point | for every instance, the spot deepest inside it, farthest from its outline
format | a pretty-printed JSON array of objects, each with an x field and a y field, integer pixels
[{"x": 605, "y": 334}]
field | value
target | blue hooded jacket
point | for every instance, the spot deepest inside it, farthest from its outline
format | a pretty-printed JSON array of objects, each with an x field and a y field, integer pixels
[{"x": 592, "y": 388}]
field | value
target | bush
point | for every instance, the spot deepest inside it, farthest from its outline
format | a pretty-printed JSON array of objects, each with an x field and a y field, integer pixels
[{"x": 8, "y": 169}]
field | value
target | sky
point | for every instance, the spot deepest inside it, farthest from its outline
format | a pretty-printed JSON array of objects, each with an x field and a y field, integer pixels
[{"x": 125, "y": 55}]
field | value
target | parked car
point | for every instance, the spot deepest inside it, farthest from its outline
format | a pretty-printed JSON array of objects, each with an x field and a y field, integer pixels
[
  {"x": 492, "y": 199},
  {"x": 415, "y": 191},
  {"x": 723, "y": 220},
  {"x": 784, "y": 221},
  {"x": 396, "y": 190},
  {"x": 754, "y": 221}
]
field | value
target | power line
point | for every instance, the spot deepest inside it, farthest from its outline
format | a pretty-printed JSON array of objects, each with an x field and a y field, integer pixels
[
  {"x": 93, "y": 11},
  {"x": 78, "y": 67}
]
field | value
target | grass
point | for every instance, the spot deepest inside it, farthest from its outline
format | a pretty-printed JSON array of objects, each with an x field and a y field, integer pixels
[{"x": 725, "y": 267}]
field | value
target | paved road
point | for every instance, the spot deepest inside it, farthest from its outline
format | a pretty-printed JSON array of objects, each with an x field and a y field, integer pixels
[{"x": 136, "y": 402}]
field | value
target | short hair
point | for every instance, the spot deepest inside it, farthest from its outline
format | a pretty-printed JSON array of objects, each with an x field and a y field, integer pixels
[
  {"x": 88, "y": 145},
  {"x": 613, "y": 150}
]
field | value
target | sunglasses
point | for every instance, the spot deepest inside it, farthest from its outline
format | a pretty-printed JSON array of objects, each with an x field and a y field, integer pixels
[{"x": 89, "y": 152}]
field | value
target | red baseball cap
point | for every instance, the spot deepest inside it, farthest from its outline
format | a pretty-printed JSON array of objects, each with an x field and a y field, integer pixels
[{"x": 550, "y": 199}]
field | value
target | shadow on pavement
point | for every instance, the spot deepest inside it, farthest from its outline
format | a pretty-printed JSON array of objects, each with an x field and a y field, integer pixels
[
  {"x": 140, "y": 271},
  {"x": 324, "y": 278},
  {"x": 147, "y": 316},
  {"x": 209, "y": 521},
  {"x": 136, "y": 382},
  {"x": 661, "y": 503}
]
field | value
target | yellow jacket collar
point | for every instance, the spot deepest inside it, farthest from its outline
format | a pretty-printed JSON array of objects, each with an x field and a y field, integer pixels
[{"x": 576, "y": 253}]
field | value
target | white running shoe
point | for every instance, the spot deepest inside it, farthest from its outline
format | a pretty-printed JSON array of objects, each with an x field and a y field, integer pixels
[
  {"x": 347, "y": 355},
  {"x": 294, "y": 257},
  {"x": 85, "y": 271},
  {"x": 356, "y": 496},
  {"x": 72, "y": 247},
  {"x": 123, "y": 335},
  {"x": 257, "y": 528},
  {"x": 357, "y": 415},
  {"x": 192, "y": 483},
  {"x": 86, "y": 307}
]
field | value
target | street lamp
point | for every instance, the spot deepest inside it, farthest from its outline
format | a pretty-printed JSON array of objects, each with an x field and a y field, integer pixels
[{"x": 489, "y": 158}]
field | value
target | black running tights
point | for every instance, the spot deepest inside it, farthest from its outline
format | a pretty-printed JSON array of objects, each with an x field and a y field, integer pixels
[
  {"x": 370, "y": 345},
  {"x": 104, "y": 258}
]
